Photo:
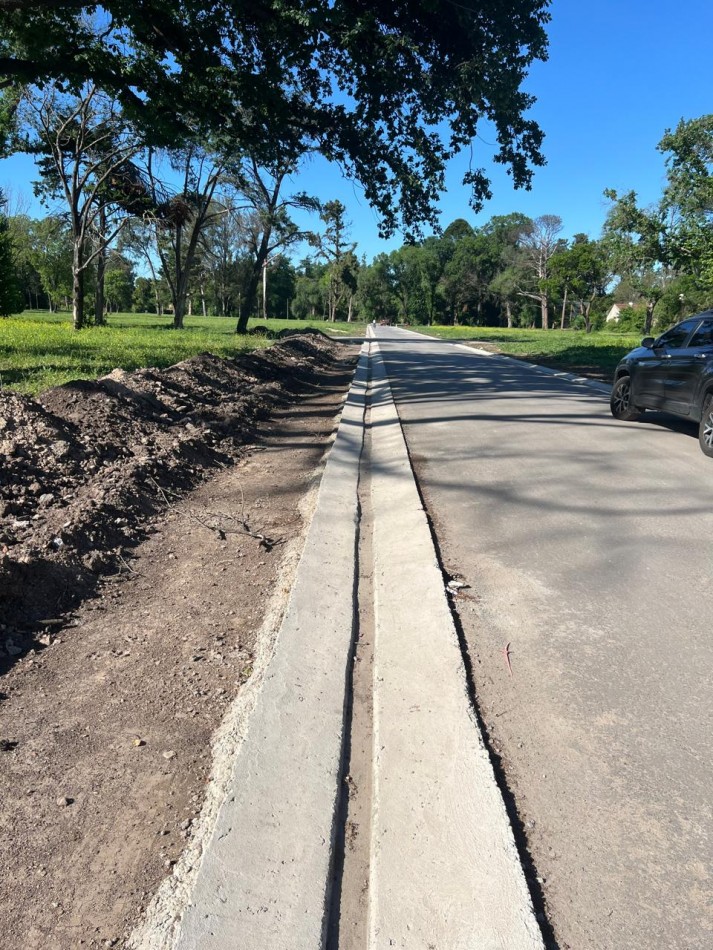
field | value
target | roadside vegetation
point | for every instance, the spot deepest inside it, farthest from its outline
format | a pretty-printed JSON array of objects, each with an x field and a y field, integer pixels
[{"x": 39, "y": 350}]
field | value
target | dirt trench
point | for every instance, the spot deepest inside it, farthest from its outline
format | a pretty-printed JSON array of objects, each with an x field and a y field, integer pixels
[{"x": 180, "y": 498}]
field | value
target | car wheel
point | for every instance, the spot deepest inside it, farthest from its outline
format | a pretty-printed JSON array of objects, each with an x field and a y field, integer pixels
[
  {"x": 705, "y": 430},
  {"x": 620, "y": 402}
]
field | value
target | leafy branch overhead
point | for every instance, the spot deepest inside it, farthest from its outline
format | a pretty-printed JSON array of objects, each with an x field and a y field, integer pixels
[{"x": 390, "y": 91}]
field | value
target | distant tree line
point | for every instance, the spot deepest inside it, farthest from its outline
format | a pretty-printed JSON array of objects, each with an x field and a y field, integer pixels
[
  {"x": 222, "y": 238},
  {"x": 168, "y": 133}
]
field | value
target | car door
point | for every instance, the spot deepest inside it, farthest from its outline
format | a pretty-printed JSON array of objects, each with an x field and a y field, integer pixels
[
  {"x": 650, "y": 373},
  {"x": 685, "y": 368}
]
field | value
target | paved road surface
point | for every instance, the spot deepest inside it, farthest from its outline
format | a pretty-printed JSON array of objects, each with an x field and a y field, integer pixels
[{"x": 588, "y": 544}]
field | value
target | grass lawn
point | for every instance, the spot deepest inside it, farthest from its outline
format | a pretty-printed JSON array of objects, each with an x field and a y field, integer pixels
[
  {"x": 593, "y": 354},
  {"x": 39, "y": 349}
]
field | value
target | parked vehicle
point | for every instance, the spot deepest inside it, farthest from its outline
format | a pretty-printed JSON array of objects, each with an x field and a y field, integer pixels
[{"x": 672, "y": 373}]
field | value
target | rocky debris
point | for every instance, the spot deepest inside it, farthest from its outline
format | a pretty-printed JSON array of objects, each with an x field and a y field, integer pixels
[{"x": 87, "y": 465}]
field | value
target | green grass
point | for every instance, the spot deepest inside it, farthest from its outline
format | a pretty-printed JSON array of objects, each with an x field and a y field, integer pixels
[
  {"x": 39, "y": 350},
  {"x": 592, "y": 354}
]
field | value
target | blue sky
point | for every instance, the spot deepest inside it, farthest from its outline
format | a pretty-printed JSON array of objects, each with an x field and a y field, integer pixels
[{"x": 619, "y": 74}]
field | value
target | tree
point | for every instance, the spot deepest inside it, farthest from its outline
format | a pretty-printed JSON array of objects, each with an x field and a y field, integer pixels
[
  {"x": 179, "y": 220},
  {"x": 688, "y": 196},
  {"x": 582, "y": 273},
  {"x": 84, "y": 150},
  {"x": 51, "y": 255},
  {"x": 637, "y": 241},
  {"x": 118, "y": 284},
  {"x": 432, "y": 259},
  {"x": 390, "y": 91},
  {"x": 539, "y": 242},
  {"x": 10, "y": 297},
  {"x": 21, "y": 236},
  {"x": 265, "y": 219},
  {"x": 338, "y": 252},
  {"x": 225, "y": 261},
  {"x": 309, "y": 299},
  {"x": 405, "y": 278},
  {"x": 506, "y": 232},
  {"x": 377, "y": 300}
]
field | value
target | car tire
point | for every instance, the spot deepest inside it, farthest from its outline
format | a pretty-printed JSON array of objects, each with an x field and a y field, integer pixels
[
  {"x": 705, "y": 429},
  {"x": 620, "y": 402}
]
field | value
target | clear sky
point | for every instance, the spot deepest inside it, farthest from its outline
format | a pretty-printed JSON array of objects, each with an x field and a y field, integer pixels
[{"x": 620, "y": 73}]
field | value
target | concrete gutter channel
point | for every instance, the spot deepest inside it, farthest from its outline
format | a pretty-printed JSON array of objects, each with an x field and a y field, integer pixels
[{"x": 441, "y": 867}]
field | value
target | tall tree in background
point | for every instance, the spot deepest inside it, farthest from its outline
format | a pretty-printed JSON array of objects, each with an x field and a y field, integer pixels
[
  {"x": 10, "y": 297},
  {"x": 181, "y": 216},
  {"x": 338, "y": 252},
  {"x": 688, "y": 196},
  {"x": 539, "y": 242},
  {"x": 82, "y": 147},
  {"x": 265, "y": 217},
  {"x": 582, "y": 272},
  {"x": 390, "y": 91},
  {"x": 638, "y": 242}
]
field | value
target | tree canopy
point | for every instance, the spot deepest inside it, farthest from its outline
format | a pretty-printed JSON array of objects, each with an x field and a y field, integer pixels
[{"x": 390, "y": 91}]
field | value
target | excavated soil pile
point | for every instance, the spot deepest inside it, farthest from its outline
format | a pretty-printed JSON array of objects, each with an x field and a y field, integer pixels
[{"x": 87, "y": 465}]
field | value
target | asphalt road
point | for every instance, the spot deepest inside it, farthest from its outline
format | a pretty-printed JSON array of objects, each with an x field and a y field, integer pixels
[{"x": 588, "y": 545}]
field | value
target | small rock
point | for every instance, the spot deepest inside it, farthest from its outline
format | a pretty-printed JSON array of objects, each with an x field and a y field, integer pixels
[
  {"x": 170, "y": 754},
  {"x": 59, "y": 449},
  {"x": 46, "y": 499},
  {"x": 63, "y": 801},
  {"x": 457, "y": 585}
]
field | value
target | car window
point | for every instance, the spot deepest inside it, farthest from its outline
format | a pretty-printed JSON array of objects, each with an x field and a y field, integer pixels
[
  {"x": 676, "y": 336},
  {"x": 703, "y": 335}
]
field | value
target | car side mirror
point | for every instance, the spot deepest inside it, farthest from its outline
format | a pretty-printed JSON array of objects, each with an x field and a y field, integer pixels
[{"x": 648, "y": 342}]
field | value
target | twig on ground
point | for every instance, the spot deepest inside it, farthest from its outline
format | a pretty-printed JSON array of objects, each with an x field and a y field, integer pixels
[
  {"x": 221, "y": 529},
  {"x": 506, "y": 653},
  {"x": 129, "y": 567}
]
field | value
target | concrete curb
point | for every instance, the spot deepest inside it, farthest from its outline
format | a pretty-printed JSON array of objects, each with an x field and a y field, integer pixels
[
  {"x": 445, "y": 871},
  {"x": 266, "y": 874}
]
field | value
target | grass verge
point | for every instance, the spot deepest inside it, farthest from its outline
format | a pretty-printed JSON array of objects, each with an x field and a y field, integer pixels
[{"x": 39, "y": 350}]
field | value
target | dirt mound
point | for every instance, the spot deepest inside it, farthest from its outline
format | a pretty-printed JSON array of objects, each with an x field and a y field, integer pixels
[{"x": 87, "y": 465}]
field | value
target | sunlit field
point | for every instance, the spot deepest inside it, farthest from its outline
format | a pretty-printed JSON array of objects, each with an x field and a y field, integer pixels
[{"x": 39, "y": 349}]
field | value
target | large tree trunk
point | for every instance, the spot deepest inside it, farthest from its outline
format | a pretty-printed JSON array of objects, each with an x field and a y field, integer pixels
[
  {"x": 564, "y": 309},
  {"x": 249, "y": 302},
  {"x": 508, "y": 311},
  {"x": 586, "y": 313},
  {"x": 78, "y": 286},
  {"x": 99, "y": 299},
  {"x": 179, "y": 306},
  {"x": 648, "y": 323},
  {"x": 544, "y": 309},
  {"x": 253, "y": 282}
]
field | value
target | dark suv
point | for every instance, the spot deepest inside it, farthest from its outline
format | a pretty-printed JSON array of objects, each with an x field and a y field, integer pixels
[{"x": 674, "y": 373}]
